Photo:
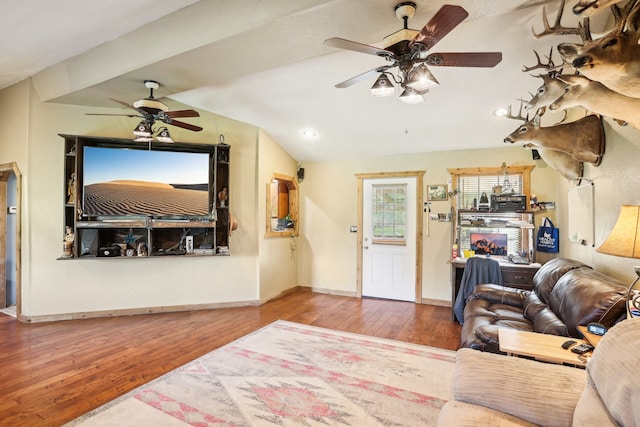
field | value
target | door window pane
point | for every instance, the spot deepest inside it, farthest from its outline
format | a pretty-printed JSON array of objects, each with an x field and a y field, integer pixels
[{"x": 389, "y": 212}]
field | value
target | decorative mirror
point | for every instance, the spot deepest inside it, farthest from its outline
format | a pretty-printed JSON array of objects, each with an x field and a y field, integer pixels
[{"x": 282, "y": 206}]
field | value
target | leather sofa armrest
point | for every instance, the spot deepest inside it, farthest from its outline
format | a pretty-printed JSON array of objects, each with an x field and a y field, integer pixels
[
  {"x": 499, "y": 294},
  {"x": 541, "y": 393}
]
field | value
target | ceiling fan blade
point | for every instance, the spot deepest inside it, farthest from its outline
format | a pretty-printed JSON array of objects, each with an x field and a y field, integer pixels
[
  {"x": 121, "y": 115},
  {"x": 357, "y": 47},
  {"x": 464, "y": 59},
  {"x": 123, "y": 103},
  {"x": 183, "y": 113},
  {"x": 184, "y": 125},
  {"x": 360, "y": 77},
  {"x": 445, "y": 20}
]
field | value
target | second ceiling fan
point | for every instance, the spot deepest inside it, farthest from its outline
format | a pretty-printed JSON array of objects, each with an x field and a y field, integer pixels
[{"x": 409, "y": 51}]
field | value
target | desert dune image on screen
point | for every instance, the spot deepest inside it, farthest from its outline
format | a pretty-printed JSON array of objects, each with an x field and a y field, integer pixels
[
  {"x": 124, "y": 182},
  {"x": 489, "y": 243}
]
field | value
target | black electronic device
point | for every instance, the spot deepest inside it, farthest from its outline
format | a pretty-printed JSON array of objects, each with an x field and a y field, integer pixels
[
  {"x": 596, "y": 328},
  {"x": 582, "y": 348},
  {"x": 109, "y": 251},
  {"x": 508, "y": 203},
  {"x": 568, "y": 344}
]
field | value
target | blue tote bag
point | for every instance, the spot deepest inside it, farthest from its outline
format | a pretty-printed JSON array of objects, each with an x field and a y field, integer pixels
[{"x": 548, "y": 237}]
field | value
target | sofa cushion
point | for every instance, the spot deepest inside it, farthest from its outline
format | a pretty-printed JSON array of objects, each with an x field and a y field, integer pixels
[
  {"x": 482, "y": 317},
  {"x": 584, "y": 295},
  {"x": 590, "y": 410},
  {"x": 541, "y": 393},
  {"x": 547, "y": 276},
  {"x": 500, "y": 294},
  {"x": 466, "y": 414},
  {"x": 613, "y": 369},
  {"x": 543, "y": 319}
]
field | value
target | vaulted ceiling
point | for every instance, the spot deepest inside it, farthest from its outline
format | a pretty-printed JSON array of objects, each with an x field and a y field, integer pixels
[{"x": 265, "y": 63}]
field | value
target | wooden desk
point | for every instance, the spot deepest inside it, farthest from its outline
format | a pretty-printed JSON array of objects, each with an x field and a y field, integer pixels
[
  {"x": 543, "y": 347},
  {"x": 513, "y": 275}
]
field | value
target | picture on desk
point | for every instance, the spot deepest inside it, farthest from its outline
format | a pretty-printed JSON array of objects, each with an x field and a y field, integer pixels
[{"x": 489, "y": 243}]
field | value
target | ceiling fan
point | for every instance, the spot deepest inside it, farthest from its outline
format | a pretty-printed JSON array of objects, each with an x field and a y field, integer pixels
[
  {"x": 149, "y": 110},
  {"x": 409, "y": 51}
]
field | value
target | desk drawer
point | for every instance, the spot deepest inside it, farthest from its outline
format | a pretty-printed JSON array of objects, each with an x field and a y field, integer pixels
[{"x": 518, "y": 277}]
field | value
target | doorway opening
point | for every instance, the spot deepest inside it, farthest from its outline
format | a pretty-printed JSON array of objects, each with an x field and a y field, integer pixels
[
  {"x": 10, "y": 218},
  {"x": 390, "y": 229}
]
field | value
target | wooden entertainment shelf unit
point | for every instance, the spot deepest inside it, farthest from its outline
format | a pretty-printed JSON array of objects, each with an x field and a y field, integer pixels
[{"x": 170, "y": 233}]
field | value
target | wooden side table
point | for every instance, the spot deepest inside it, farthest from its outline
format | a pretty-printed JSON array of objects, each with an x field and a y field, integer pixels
[
  {"x": 543, "y": 347},
  {"x": 593, "y": 339}
]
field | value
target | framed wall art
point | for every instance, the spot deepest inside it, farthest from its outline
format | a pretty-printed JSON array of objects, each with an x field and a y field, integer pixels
[{"x": 437, "y": 192}]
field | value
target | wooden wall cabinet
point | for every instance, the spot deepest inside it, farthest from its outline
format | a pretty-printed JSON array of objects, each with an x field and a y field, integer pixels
[{"x": 181, "y": 234}]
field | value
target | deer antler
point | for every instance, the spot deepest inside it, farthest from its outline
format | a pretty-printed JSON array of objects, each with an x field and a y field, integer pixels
[
  {"x": 627, "y": 15},
  {"x": 549, "y": 66},
  {"x": 510, "y": 115},
  {"x": 581, "y": 30}
]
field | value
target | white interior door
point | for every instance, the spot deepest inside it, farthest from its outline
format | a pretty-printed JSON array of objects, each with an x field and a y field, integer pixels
[{"x": 389, "y": 238}]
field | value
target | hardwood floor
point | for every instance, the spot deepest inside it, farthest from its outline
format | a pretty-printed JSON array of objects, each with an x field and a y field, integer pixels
[{"x": 51, "y": 373}]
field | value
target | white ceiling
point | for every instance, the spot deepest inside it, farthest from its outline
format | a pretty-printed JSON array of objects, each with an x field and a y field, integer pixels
[{"x": 263, "y": 62}]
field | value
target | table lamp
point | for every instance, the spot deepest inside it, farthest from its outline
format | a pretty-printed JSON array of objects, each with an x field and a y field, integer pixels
[{"x": 624, "y": 241}]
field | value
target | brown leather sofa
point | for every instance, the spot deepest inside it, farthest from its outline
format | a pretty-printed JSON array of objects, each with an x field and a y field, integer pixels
[{"x": 566, "y": 293}]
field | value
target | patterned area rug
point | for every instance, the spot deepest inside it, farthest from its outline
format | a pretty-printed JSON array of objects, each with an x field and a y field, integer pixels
[{"x": 288, "y": 374}]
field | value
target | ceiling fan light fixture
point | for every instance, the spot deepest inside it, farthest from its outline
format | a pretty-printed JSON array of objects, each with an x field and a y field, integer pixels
[
  {"x": 411, "y": 96},
  {"x": 142, "y": 129},
  {"x": 164, "y": 136},
  {"x": 421, "y": 79},
  {"x": 382, "y": 86}
]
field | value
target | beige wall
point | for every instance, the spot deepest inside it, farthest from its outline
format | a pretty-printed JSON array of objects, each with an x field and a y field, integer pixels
[
  {"x": 278, "y": 258},
  {"x": 324, "y": 255},
  {"x": 53, "y": 288},
  {"x": 616, "y": 182},
  {"x": 329, "y": 207}
]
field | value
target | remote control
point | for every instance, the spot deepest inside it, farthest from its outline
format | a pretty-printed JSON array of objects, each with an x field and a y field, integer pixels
[{"x": 582, "y": 348}]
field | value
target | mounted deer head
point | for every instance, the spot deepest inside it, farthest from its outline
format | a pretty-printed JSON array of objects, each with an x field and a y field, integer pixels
[
  {"x": 596, "y": 97},
  {"x": 591, "y": 7},
  {"x": 551, "y": 88},
  {"x": 561, "y": 162},
  {"x": 582, "y": 139},
  {"x": 613, "y": 59}
]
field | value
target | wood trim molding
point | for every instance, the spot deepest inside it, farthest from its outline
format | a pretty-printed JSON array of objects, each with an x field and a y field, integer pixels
[
  {"x": 5, "y": 172},
  {"x": 419, "y": 175},
  {"x": 524, "y": 170},
  {"x": 293, "y": 207}
]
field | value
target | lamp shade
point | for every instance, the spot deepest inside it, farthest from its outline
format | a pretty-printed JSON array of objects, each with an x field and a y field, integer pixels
[
  {"x": 383, "y": 86},
  {"x": 421, "y": 79},
  {"x": 410, "y": 96},
  {"x": 624, "y": 239}
]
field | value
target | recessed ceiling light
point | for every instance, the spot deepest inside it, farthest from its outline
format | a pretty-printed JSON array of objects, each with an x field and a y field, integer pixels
[
  {"x": 501, "y": 112},
  {"x": 309, "y": 133}
]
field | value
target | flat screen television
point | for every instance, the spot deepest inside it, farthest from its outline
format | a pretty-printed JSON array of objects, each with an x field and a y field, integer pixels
[
  {"x": 168, "y": 184},
  {"x": 489, "y": 243}
]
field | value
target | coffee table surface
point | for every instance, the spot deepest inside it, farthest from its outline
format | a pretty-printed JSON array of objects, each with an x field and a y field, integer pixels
[{"x": 543, "y": 347}]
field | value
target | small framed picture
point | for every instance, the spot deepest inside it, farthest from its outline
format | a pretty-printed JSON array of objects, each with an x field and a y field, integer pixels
[{"x": 436, "y": 192}]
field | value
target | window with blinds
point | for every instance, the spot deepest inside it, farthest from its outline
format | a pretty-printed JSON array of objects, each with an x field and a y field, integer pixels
[
  {"x": 471, "y": 187},
  {"x": 470, "y": 191}
]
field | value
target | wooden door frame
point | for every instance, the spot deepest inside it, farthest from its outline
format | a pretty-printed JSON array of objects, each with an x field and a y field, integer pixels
[
  {"x": 5, "y": 172},
  {"x": 418, "y": 175}
]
